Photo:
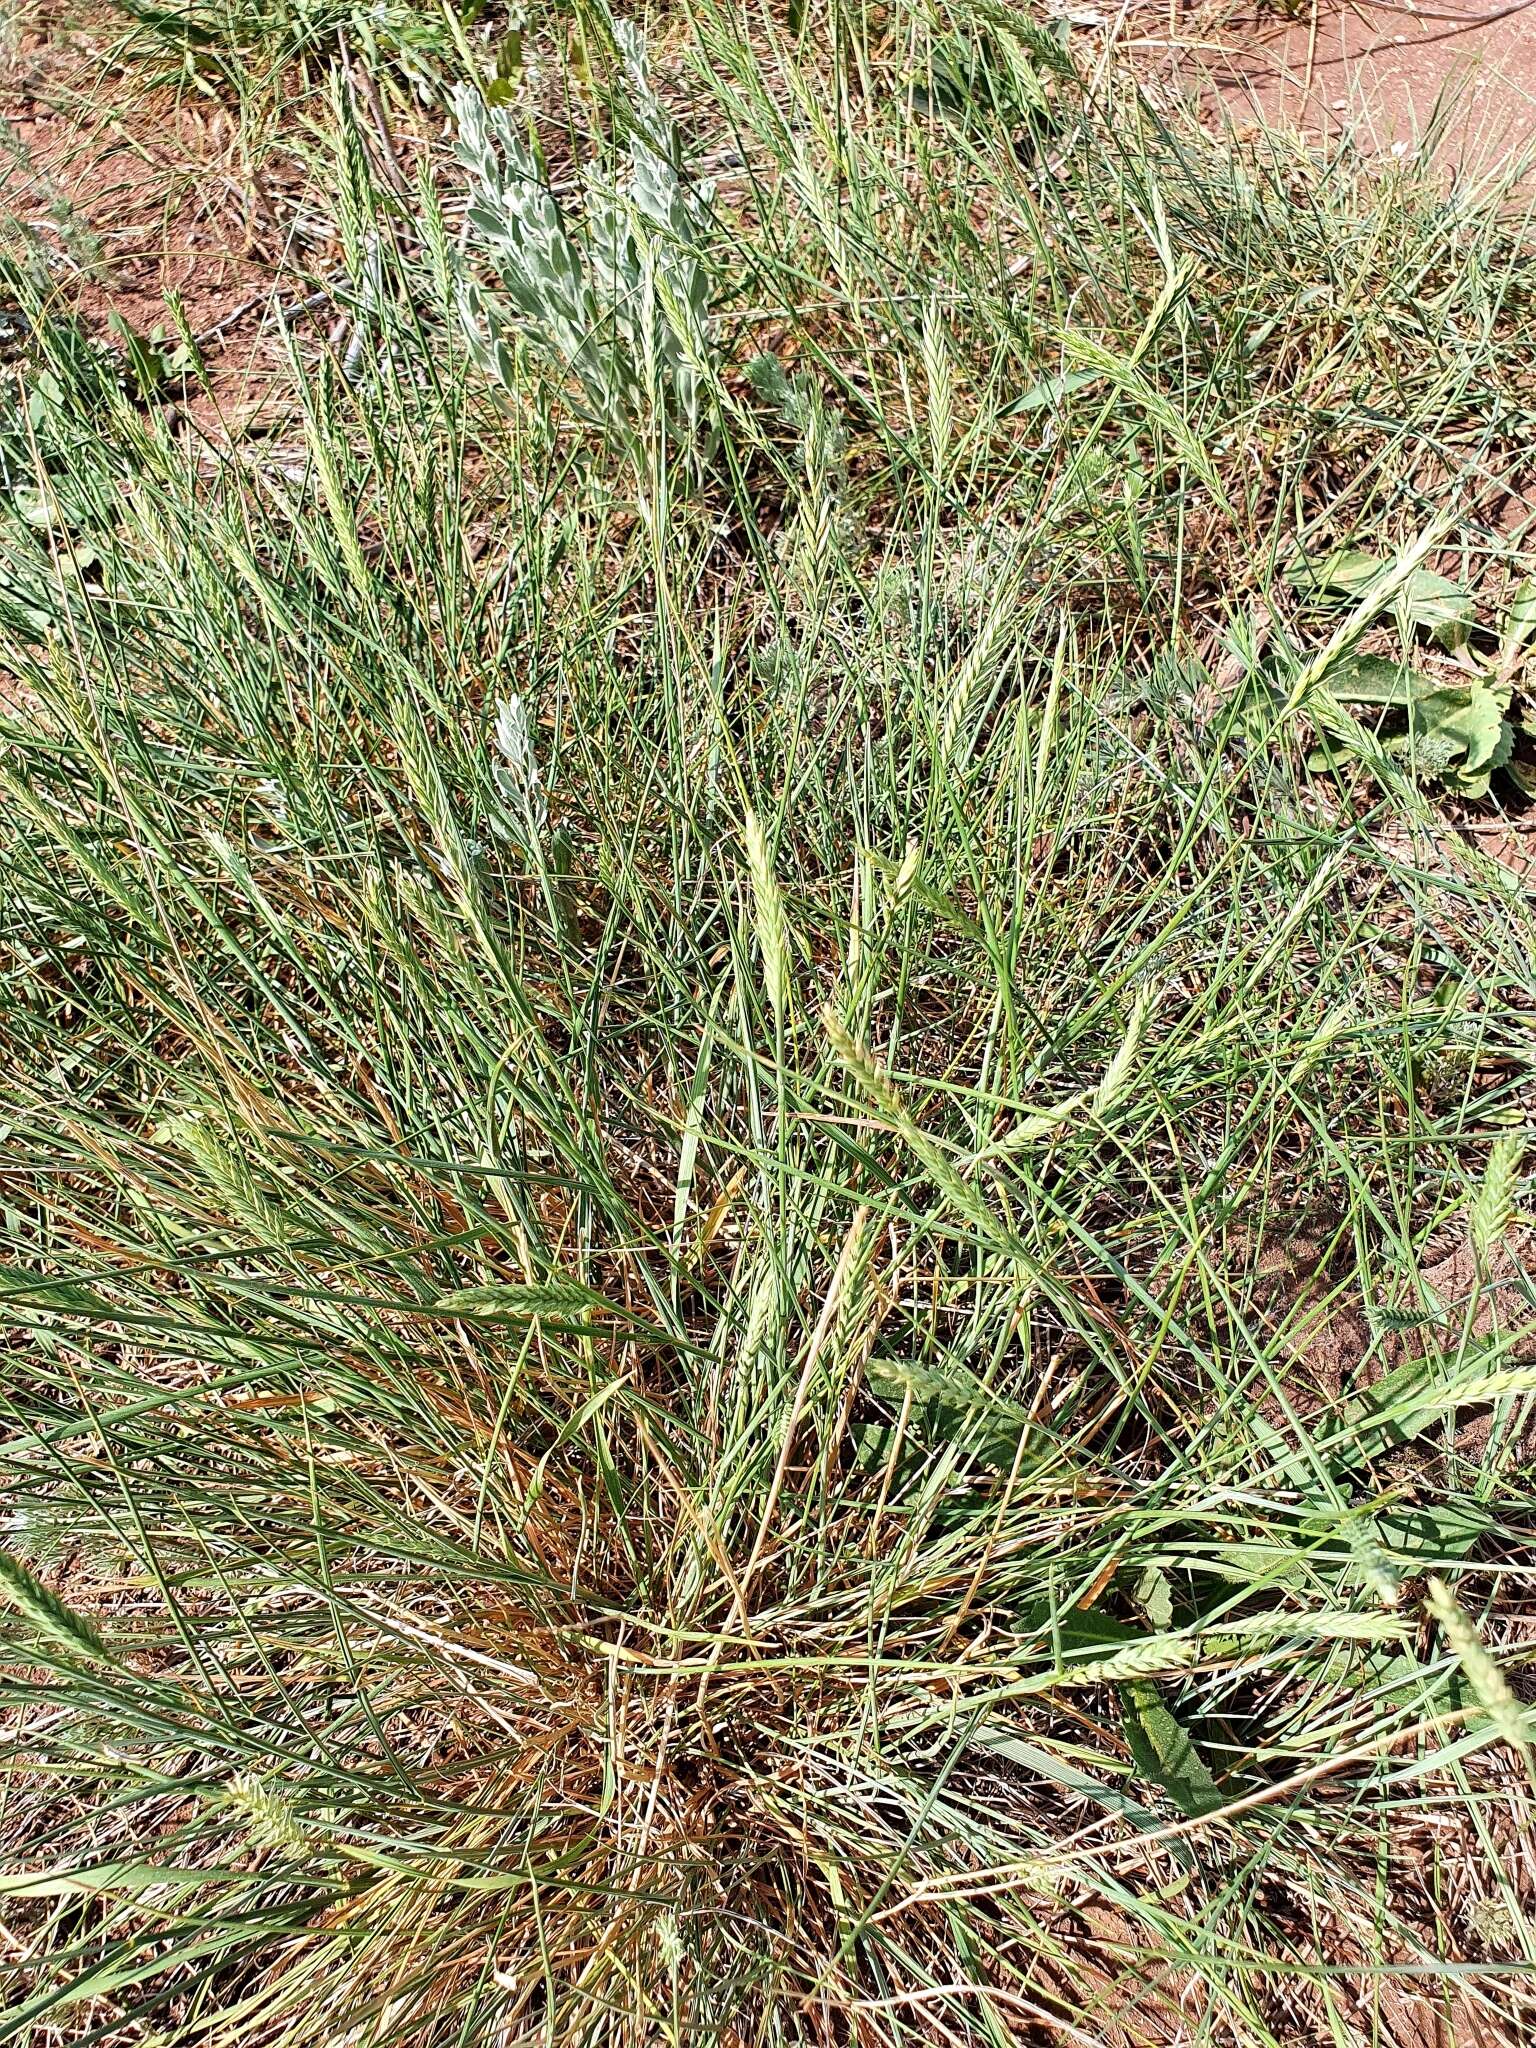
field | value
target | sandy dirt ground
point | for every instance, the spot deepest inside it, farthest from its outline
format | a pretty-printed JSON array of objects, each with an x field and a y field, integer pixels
[
  {"x": 1394, "y": 71},
  {"x": 137, "y": 194}
]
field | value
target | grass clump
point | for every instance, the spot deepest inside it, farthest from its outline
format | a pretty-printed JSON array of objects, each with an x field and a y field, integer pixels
[{"x": 751, "y": 1252}]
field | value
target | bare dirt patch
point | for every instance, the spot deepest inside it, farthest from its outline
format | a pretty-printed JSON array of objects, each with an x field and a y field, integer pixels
[
  {"x": 1392, "y": 72},
  {"x": 134, "y": 199}
]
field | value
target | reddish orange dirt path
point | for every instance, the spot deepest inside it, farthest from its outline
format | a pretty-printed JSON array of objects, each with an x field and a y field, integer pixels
[
  {"x": 1390, "y": 69},
  {"x": 135, "y": 192}
]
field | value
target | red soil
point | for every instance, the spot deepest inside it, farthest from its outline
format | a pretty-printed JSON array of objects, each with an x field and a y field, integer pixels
[{"x": 1392, "y": 70}]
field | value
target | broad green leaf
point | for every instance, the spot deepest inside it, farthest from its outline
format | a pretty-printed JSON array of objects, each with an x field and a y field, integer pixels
[
  {"x": 1404, "y": 1402},
  {"x": 998, "y": 1739},
  {"x": 1263, "y": 1567},
  {"x": 1519, "y": 623},
  {"x": 1372, "y": 679},
  {"x": 1396, "y": 1409},
  {"x": 1050, "y": 390},
  {"x": 1165, "y": 1752},
  {"x": 1430, "y": 1535},
  {"x": 1424, "y": 598},
  {"x": 1444, "y": 607},
  {"x": 1456, "y": 731},
  {"x": 1155, "y": 1592},
  {"x": 1079, "y": 1628},
  {"x": 1343, "y": 574},
  {"x": 1470, "y": 720}
]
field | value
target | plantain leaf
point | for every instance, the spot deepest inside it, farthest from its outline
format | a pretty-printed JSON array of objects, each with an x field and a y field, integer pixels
[
  {"x": 1154, "y": 1590},
  {"x": 1471, "y": 720},
  {"x": 1051, "y": 390},
  {"x": 1165, "y": 1752},
  {"x": 1519, "y": 623},
  {"x": 1456, "y": 731},
  {"x": 1420, "y": 1536},
  {"x": 1372, "y": 679},
  {"x": 1426, "y": 599},
  {"x": 1343, "y": 574}
]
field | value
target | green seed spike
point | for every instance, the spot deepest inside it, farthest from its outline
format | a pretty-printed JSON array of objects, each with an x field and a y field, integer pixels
[
  {"x": 49, "y": 1615},
  {"x": 768, "y": 914},
  {"x": 1493, "y": 1689},
  {"x": 1493, "y": 1206},
  {"x": 268, "y": 1816}
]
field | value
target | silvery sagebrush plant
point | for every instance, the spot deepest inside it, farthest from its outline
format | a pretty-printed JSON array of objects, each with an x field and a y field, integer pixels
[
  {"x": 620, "y": 302},
  {"x": 517, "y": 775}
]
